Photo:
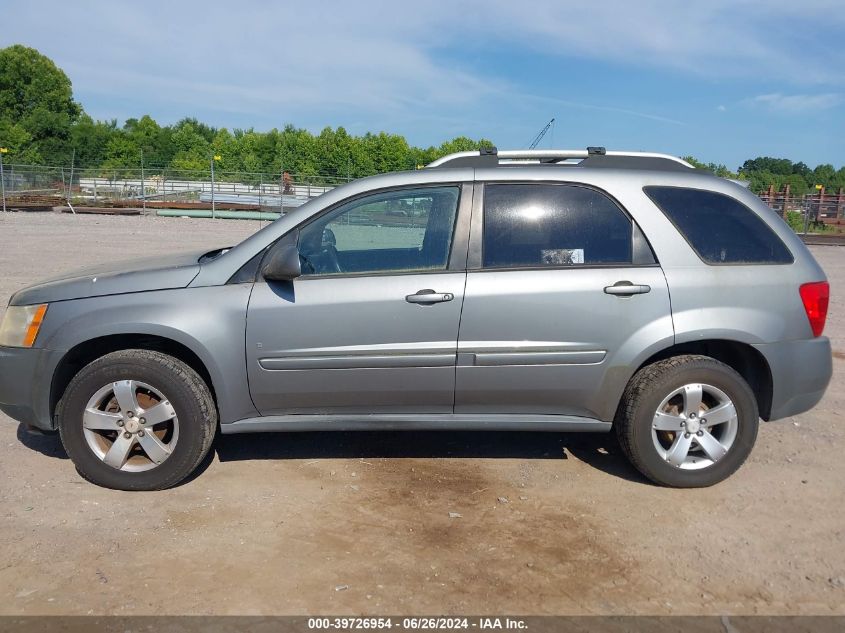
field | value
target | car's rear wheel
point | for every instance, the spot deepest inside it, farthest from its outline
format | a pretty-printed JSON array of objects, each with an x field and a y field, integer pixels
[
  {"x": 137, "y": 420},
  {"x": 688, "y": 421}
]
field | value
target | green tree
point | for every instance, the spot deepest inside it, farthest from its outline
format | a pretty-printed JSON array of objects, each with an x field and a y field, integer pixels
[
  {"x": 801, "y": 169},
  {"x": 224, "y": 145},
  {"x": 148, "y": 136},
  {"x": 382, "y": 152},
  {"x": 250, "y": 152},
  {"x": 192, "y": 150},
  {"x": 36, "y": 98},
  {"x": 205, "y": 131},
  {"x": 122, "y": 154},
  {"x": 90, "y": 139},
  {"x": 765, "y": 171},
  {"x": 824, "y": 175},
  {"x": 333, "y": 152},
  {"x": 718, "y": 169},
  {"x": 19, "y": 143},
  {"x": 797, "y": 184},
  {"x": 462, "y": 144},
  {"x": 778, "y": 166}
]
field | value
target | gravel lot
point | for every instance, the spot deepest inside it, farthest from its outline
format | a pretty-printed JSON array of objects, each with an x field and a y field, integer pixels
[{"x": 359, "y": 523}]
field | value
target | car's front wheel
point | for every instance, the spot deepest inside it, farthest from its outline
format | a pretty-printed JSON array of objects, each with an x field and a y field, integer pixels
[
  {"x": 688, "y": 421},
  {"x": 137, "y": 420}
]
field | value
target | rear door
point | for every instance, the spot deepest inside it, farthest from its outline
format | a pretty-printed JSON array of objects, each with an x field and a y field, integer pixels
[
  {"x": 371, "y": 326},
  {"x": 563, "y": 294}
]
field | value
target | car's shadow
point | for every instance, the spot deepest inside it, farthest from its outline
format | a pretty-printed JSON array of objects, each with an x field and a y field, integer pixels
[
  {"x": 47, "y": 444},
  {"x": 599, "y": 450}
]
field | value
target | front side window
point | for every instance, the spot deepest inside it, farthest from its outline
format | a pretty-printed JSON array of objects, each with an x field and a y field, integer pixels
[
  {"x": 536, "y": 225},
  {"x": 408, "y": 230},
  {"x": 720, "y": 229}
]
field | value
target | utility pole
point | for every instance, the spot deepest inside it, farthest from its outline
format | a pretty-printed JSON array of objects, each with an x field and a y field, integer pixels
[
  {"x": 214, "y": 158},
  {"x": 3, "y": 150}
]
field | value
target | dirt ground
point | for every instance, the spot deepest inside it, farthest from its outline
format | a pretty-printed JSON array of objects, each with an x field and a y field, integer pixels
[{"x": 360, "y": 523}]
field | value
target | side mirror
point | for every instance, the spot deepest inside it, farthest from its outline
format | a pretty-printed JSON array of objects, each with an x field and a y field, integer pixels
[{"x": 282, "y": 262}]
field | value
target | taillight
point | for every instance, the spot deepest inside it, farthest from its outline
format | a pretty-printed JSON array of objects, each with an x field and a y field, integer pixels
[{"x": 816, "y": 296}]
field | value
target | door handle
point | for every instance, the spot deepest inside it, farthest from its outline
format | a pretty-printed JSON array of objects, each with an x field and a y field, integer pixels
[
  {"x": 429, "y": 296},
  {"x": 626, "y": 289}
]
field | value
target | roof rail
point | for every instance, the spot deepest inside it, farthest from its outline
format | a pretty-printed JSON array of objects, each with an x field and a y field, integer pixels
[{"x": 590, "y": 157}]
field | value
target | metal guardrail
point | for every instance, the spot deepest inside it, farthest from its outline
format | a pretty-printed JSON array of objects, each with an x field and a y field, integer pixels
[{"x": 160, "y": 188}]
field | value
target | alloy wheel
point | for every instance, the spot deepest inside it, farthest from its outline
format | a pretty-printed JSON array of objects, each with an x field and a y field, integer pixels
[
  {"x": 130, "y": 426},
  {"x": 694, "y": 426}
]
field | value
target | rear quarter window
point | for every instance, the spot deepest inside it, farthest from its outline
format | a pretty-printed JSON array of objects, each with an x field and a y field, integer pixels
[
  {"x": 544, "y": 225},
  {"x": 720, "y": 229}
]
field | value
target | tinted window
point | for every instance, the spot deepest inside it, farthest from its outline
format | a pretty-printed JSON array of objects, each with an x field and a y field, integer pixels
[
  {"x": 720, "y": 229},
  {"x": 553, "y": 225},
  {"x": 397, "y": 231}
]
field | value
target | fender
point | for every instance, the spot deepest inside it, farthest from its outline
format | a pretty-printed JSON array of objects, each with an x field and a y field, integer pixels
[{"x": 177, "y": 315}]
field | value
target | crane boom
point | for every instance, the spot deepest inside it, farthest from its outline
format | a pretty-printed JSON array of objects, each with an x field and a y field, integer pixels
[{"x": 542, "y": 133}]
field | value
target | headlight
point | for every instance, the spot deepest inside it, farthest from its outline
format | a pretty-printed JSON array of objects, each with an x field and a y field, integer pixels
[{"x": 21, "y": 324}]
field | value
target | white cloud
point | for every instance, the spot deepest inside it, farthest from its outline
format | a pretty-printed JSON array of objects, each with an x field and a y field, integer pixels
[
  {"x": 380, "y": 61},
  {"x": 248, "y": 57},
  {"x": 796, "y": 103}
]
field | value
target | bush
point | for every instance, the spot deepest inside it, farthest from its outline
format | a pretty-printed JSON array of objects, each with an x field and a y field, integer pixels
[{"x": 795, "y": 221}]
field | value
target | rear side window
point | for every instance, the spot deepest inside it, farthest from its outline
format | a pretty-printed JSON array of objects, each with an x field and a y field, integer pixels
[
  {"x": 720, "y": 229},
  {"x": 528, "y": 225}
]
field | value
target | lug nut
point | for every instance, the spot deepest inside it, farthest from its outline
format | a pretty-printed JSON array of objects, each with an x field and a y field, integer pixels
[
  {"x": 131, "y": 414},
  {"x": 140, "y": 434},
  {"x": 686, "y": 435},
  {"x": 120, "y": 423},
  {"x": 127, "y": 435},
  {"x": 700, "y": 433},
  {"x": 142, "y": 420}
]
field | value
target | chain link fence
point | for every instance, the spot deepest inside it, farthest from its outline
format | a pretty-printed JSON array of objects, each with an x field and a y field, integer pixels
[
  {"x": 38, "y": 187},
  {"x": 262, "y": 195}
]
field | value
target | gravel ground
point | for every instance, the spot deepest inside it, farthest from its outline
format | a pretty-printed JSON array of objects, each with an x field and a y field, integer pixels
[{"x": 360, "y": 523}]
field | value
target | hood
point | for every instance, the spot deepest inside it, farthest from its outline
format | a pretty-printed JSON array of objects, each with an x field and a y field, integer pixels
[{"x": 138, "y": 275}]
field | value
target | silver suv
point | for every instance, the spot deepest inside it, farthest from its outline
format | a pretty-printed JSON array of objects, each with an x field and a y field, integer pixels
[{"x": 546, "y": 290}]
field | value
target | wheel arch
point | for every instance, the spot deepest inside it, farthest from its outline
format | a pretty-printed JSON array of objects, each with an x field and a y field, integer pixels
[
  {"x": 87, "y": 351},
  {"x": 741, "y": 357}
]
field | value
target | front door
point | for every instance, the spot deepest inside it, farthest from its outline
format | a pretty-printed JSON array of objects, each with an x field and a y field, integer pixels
[
  {"x": 371, "y": 325},
  {"x": 563, "y": 296}
]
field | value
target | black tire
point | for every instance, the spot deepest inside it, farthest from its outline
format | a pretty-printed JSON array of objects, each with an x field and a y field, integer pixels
[
  {"x": 188, "y": 394},
  {"x": 643, "y": 396}
]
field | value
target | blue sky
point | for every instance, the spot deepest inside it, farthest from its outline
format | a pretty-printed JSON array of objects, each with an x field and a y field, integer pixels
[{"x": 723, "y": 80}]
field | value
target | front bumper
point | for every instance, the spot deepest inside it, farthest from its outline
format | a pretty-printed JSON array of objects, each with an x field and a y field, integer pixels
[
  {"x": 26, "y": 375},
  {"x": 801, "y": 371}
]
